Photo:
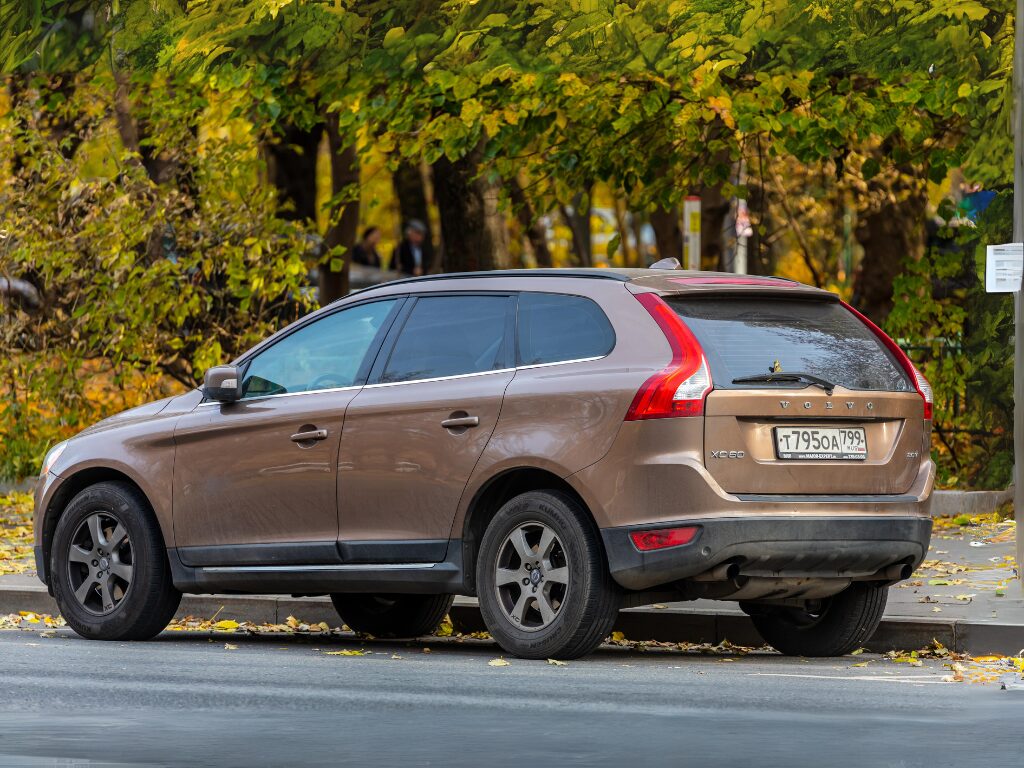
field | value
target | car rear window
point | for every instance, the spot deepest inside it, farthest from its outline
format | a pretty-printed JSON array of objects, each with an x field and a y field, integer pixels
[
  {"x": 554, "y": 327},
  {"x": 747, "y": 337}
]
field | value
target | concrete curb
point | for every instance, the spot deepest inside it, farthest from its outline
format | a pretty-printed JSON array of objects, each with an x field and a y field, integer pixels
[
  {"x": 665, "y": 625},
  {"x": 953, "y": 503}
]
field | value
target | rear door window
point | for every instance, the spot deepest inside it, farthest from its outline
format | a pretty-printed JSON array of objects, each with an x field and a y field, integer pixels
[
  {"x": 450, "y": 336},
  {"x": 554, "y": 327},
  {"x": 749, "y": 337}
]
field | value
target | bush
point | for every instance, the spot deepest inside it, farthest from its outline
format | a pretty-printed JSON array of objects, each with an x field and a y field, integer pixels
[
  {"x": 142, "y": 283},
  {"x": 962, "y": 340}
]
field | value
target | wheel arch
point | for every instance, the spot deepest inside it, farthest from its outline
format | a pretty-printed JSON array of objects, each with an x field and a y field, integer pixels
[
  {"x": 62, "y": 496},
  {"x": 493, "y": 494}
]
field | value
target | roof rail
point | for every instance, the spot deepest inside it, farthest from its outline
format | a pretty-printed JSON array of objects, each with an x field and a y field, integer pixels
[{"x": 592, "y": 273}]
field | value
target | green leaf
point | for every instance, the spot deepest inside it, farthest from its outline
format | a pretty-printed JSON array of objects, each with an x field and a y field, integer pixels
[
  {"x": 870, "y": 168},
  {"x": 392, "y": 36},
  {"x": 613, "y": 245}
]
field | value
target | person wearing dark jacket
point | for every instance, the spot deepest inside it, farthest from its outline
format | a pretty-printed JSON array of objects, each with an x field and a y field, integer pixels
[
  {"x": 411, "y": 254},
  {"x": 365, "y": 251}
]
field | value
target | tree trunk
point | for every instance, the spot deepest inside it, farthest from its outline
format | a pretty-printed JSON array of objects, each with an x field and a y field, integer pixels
[
  {"x": 578, "y": 221},
  {"x": 160, "y": 166},
  {"x": 535, "y": 233},
  {"x": 891, "y": 230},
  {"x": 411, "y": 193},
  {"x": 630, "y": 257},
  {"x": 291, "y": 167},
  {"x": 343, "y": 229},
  {"x": 713, "y": 211},
  {"x": 759, "y": 261},
  {"x": 643, "y": 258},
  {"x": 668, "y": 236},
  {"x": 472, "y": 228}
]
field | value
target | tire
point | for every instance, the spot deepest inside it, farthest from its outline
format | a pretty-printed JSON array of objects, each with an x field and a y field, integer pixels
[
  {"x": 843, "y": 623},
  {"x": 392, "y": 615},
  {"x": 128, "y": 594},
  {"x": 579, "y": 604}
]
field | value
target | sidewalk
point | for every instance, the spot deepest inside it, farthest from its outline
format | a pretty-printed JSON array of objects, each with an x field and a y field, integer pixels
[{"x": 965, "y": 595}]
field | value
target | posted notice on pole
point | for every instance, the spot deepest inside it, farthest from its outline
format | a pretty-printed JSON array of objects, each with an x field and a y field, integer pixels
[{"x": 1004, "y": 265}]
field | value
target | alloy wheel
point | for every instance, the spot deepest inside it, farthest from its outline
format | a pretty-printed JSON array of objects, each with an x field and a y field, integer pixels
[
  {"x": 101, "y": 563},
  {"x": 531, "y": 576}
]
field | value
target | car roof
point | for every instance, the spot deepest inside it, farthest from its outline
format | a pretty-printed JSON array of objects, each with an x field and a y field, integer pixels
[{"x": 665, "y": 281}]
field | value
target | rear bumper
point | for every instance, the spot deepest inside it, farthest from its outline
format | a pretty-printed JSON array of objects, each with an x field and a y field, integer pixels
[{"x": 817, "y": 546}]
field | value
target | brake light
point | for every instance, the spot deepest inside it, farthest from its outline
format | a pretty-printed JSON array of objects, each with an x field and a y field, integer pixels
[
  {"x": 663, "y": 537},
  {"x": 680, "y": 388},
  {"x": 924, "y": 389}
]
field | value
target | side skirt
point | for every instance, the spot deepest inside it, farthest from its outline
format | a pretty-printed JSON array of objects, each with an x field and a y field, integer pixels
[{"x": 445, "y": 577}]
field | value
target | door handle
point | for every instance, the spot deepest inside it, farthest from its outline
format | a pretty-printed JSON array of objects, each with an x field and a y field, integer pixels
[
  {"x": 461, "y": 421},
  {"x": 313, "y": 434}
]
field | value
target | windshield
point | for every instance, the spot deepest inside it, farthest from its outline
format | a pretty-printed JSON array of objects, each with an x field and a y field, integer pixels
[{"x": 750, "y": 337}]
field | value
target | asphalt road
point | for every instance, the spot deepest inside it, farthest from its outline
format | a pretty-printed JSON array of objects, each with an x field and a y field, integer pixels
[{"x": 185, "y": 699}]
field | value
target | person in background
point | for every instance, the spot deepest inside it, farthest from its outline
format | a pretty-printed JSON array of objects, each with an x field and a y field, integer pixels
[
  {"x": 410, "y": 256},
  {"x": 365, "y": 251}
]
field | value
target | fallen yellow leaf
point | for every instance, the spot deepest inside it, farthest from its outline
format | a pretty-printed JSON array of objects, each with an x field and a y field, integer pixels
[
  {"x": 226, "y": 625},
  {"x": 557, "y": 663},
  {"x": 907, "y": 660},
  {"x": 345, "y": 653},
  {"x": 230, "y": 647},
  {"x": 498, "y": 663}
]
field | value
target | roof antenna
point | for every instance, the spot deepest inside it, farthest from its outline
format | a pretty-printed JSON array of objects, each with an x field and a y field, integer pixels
[{"x": 670, "y": 263}]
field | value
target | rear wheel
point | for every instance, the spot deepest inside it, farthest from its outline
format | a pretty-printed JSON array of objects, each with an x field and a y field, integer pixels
[
  {"x": 109, "y": 568},
  {"x": 830, "y": 627},
  {"x": 392, "y": 615},
  {"x": 543, "y": 583}
]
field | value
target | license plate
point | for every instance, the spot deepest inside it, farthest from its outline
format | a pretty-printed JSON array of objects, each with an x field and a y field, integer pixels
[{"x": 821, "y": 443}]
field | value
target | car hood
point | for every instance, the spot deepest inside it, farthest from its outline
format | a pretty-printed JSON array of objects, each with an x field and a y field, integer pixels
[{"x": 131, "y": 416}]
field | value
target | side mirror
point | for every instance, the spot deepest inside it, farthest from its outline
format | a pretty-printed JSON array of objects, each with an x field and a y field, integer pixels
[{"x": 221, "y": 384}]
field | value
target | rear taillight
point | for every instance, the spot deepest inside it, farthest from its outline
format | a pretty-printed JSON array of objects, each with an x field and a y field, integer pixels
[
  {"x": 661, "y": 538},
  {"x": 680, "y": 388},
  {"x": 924, "y": 389}
]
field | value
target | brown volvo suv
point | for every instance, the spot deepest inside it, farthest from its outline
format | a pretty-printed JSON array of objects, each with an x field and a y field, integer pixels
[{"x": 558, "y": 443}]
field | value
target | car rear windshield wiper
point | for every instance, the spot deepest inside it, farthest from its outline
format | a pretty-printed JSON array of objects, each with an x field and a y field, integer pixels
[{"x": 770, "y": 378}]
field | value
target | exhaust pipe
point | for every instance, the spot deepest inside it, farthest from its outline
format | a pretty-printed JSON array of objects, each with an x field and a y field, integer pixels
[
  {"x": 723, "y": 572},
  {"x": 897, "y": 572}
]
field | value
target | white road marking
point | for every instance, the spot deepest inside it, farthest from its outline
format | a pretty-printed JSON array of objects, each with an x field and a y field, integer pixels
[{"x": 929, "y": 679}]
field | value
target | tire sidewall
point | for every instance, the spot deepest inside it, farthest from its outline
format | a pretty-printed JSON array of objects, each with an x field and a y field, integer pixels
[
  {"x": 547, "y": 509},
  {"x": 408, "y": 616},
  {"x": 132, "y": 610},
  {"x": 848, "y": 622}
]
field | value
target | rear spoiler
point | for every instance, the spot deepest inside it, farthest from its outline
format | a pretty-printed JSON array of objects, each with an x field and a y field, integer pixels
[{"x": 711, "y": 286}]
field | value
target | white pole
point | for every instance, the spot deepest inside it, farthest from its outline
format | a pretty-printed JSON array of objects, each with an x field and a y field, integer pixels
[
  {"x": 1018, "y": 298},
  {"x": 691, "y": 230}
]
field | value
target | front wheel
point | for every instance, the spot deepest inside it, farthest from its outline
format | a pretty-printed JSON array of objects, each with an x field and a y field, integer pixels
[
  {"x": 392, "y": 615},
  {"x": 830, "y": 627},
  {"x": 542, "y": 580},
  {"x": 108, "y": 566}
]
